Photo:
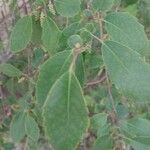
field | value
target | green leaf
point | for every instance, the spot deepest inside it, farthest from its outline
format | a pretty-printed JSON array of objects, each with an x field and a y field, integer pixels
[
  {"x": 31, "y": 127},
  {"x": 132, "y": 9},
  {"x": 90, "y": 27},
  {"x": 38, "y": 56},
  {"x": 102, "y": 5},
  {"x": 7, "y": 146},
  {"x": 122, "y": 111},
  {"x": 74, "y": 41},
  {"x": 52, "y": 69},
  {"x": 21, "y": 34},
  {"x": 71, "y": 29},
  {"x": 127, "y": 70},
  {"x": 126, "y": 30},
  {"x": 37, "y": 32},
  {"x": 50, "y": 35},
  {"x": 99, "y": 120},
  {"x": 67, "y": 8},
  {"x": 87, "y": 13},
  {"x": 17, "y": 127},
  {"x": 10, "y": 70},
  {"x": 103, "y": 143},
  {"x": 49, "y": 72},
  {"x": 139, "y": 146},
  {"x": 137, "y": 129},
  {"x": 23, "y": 101},
  {"x": 32, "y": 145},
  {"x": 86, "y": 36},
  {"x": 65, "y": 114},
  {"x": 99, "y": 123},
  {"x": 117, "y": 2},
  {"x": 79, "y": 70},
  {"x": 39, "y": 2},
  {"x": 94, "y": 60}
]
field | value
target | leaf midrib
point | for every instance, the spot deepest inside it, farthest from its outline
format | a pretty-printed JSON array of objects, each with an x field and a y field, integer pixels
[{"x": 68, "y": 97}]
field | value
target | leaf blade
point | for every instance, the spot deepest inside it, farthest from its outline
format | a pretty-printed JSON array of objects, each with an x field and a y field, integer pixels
[
  {"x": 126, "y": 30},
  {"x": 21, "y": 34},
  {"x": 50, "y": 35},
  {"x": 102, "y": 5},
  {"x": 31, "y": 127},
  {"x": 52, "y": 69},
  {"x": 17, "y": 128},
  {"x": 104, "y": 142},
  {"x": 49, "y": 72},
  {"x": 124, "y": 67},
  {"x": 10, "y": 70},
  {"x": 67, "y": 8},
  {"x": 137, "y": 129},
  {"x": 70, "y": 107}
]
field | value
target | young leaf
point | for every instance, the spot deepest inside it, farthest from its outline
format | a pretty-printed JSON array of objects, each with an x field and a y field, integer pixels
[
  {"x": 52, "y": 69},
  {"x": 126, "y": 30},
  {"x": 102, "y": 5},
  {"x": 65, "y": 114},
  {"x": 137, "y": 129},
  {"x": 99, "y": 120},
  {"x": 99, "y": 123},
  {"x": 132, "y": 9},
  {"x": 10, "y": 70},
  {"x": 17, "y": 127},
  {"x": 67, "y": 8},
  {"x": 23, "y": 101},
  {"x": 38, "y": 56},
  {"x": 127, "y": 71},
  {"x": 104, "y": 143},
  {"x": 31, "y": 128},
  {"x": 21, "y": 34},
  {"x": 50, "y": 35},
  {"x": 86, "y": 36}
]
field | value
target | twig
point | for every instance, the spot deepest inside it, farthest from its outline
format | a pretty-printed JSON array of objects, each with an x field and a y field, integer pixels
[
  {"x": 95, "y": 82},
  {"x": 1, "y": 92},
  {"x": 25, "y": 7},
  {"x": 76, "y": 52},
  {"x": 100, "y": 25},
  {"x": 100, "y": 21},
  {"x": 110, "y": 93},
  {"x": 100, "y": 40},
  {"x": 5, "y": 22}
]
